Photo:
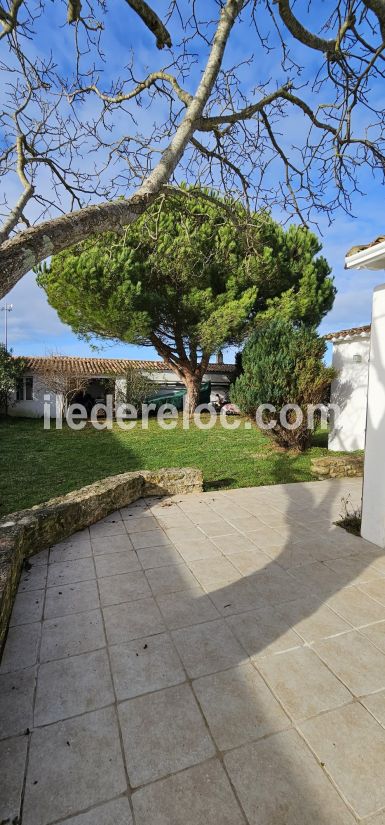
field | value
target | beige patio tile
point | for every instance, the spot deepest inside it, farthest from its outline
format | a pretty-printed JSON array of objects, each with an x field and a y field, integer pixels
[
  {"x": 34, "y": 578},
  {"x": 302, "y": 683},
  {"x": 163, "y": 733},
  {"x": 140, "y": 525},
  {"x": 70, "y": 552},
  {"x": 343, "y": 539},
  {"x": 21, "y": 647},
  {"x": 178, "y": 535},
  {"x": 294, "y": 531},
  {"x": 132, "y": 620},
  {"x": 246, "y": 524},
  {"x": 376, "y": 634},
  {"x": 171, "y": 578},
  {"x": 216, "y": 527},
  {"x": 275, "y": 586},
  {"x": 378, "y": 558},
  {"x": 114, "y": 564},
  {"x": 112, "y": 544},
  {"x": 228, "y": 510},
  {"x": 379, "y": 819},
  {"x": 69, "y": 635},
  {"x": 251, "y": 505},
  {"x": 149, "y": 538},
  {"x": 234, "y": 543},
  {"x": 145, "y": 665},
  {"x": 238, "y": 706},
  {"x": 356, "y": 607},
  {"x": 13, "y": 754},
  {"x": 116, "y": 812},
  {"x": 207, "y": 648},
  {"x": 175, "y": 518},
  {"x": 66, "y": 572},
  {"x": 262, "y": 632},
  {"x": 279, "y": 782},
  {"x": 155, "y": 557},
  {"x": 351, "y": 745},
  {"x": 375, "y": 703},
  {"x": 213, "y": 573},
  {"x": 333, "y": 549},
  {"x": 271, "y": 517},
  {"x": 355, "y": 661},
  {"x": 71, "y": 598},
  {"x": 72, "y": 686},
  {"x": 198, "y": 796},
  {"x": 317, "y": 578},
  {"x": 186, "y": 607},
  {"x": 269, "y": 541},
  {"x": 236, "y": 597},
  {"x": 355, "y": 569},
  {"x": 312, "y": 619},
  {"x": 124, "y": 588},
  {"x": 294, "y": 554},
  {"x": 251, "y": 561},
  {"x": 73, "y": 765},
  {"x": 80, "y": 535},
  {"x": 136, "y": 509},
  {"x": 196, "y": 512},
  {"x": 27, "y": 607},
  {"x": 107, "y": 529},
  {"x": 17, "y": 694},
  {"x": 375, "y": 589},
  {"x": 193, "y": 549}
]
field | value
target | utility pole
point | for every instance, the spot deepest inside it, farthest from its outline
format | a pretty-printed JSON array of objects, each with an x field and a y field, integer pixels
[{"x": 7, "y": 308}]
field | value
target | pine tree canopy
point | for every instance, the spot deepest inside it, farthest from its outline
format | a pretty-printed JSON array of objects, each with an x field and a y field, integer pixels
[{"x": 188, "y": 278}]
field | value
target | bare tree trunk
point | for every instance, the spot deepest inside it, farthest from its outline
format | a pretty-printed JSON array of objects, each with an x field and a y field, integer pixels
[{"x": 31, "y": 246}]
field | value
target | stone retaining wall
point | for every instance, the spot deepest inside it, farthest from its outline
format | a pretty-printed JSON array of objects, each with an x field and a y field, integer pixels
[
  {"x": 338, "y": 466},
  {"x": 29, "y": 531}
]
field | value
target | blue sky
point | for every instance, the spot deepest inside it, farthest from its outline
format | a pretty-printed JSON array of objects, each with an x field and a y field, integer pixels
[{"x": 34, "y": 327}]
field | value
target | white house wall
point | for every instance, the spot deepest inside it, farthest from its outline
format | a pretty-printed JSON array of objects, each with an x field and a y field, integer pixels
[
  {"x": 35, "y": 408},
  {"x": 350, "y": 390}
]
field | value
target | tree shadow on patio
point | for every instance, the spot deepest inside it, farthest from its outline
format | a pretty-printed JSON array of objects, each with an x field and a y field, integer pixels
[{"x": 290, "y": 599}]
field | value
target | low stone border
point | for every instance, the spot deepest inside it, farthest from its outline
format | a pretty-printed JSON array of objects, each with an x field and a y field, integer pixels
[
  {"x": 338, "y": 466},
  {"x": 29, "y": 531}
]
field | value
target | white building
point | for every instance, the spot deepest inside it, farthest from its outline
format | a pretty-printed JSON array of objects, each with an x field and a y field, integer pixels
[
  {"x": 372, "y": 256},
  {"x": 351, "y": 348},
  {"x": 28, "y": 399}
]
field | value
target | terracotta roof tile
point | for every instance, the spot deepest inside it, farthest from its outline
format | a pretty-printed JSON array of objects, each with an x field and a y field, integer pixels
[
  {"x": 355, "y": 249},
  {"x": 347, "y": 333},
  {"x": 102, "y": 366}
]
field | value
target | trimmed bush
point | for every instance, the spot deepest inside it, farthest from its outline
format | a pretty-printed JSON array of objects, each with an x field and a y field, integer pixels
[{"x": 283, "y": 364}]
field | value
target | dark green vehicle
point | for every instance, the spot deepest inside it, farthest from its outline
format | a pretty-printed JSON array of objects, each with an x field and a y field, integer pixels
[{"x": 176, "y": 398}]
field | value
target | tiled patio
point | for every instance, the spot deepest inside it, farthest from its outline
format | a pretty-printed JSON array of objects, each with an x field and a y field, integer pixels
[{"x": 207, "y": 660}]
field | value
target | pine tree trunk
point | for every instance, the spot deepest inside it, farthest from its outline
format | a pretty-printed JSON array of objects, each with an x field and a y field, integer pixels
[{"x": 193, "y": 385}]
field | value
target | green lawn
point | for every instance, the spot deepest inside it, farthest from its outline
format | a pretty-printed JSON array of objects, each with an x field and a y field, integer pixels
[{"x": 36, "y": 465}]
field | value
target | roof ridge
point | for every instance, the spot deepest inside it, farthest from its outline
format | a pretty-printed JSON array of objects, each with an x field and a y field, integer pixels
[
  {"x": 90, "y": 364},
  {"x": 342, "y": 333}
]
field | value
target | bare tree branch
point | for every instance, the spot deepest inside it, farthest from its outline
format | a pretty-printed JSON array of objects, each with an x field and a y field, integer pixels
[
  {"x": 84, "y": 149},
  {"x": 74, "y": 11},
  {"x": 9, "y": 18},
  {"x": 378, "y": 7},
  {"x": 18, "y": 210},
  {"x": 184, "y": 96},
  {"x": 152, "y": 21}
]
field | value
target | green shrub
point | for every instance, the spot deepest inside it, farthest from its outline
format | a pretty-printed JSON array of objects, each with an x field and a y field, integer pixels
[
  {"x": 283, "y": 364},
  {"x": 11, "y": 372}
]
